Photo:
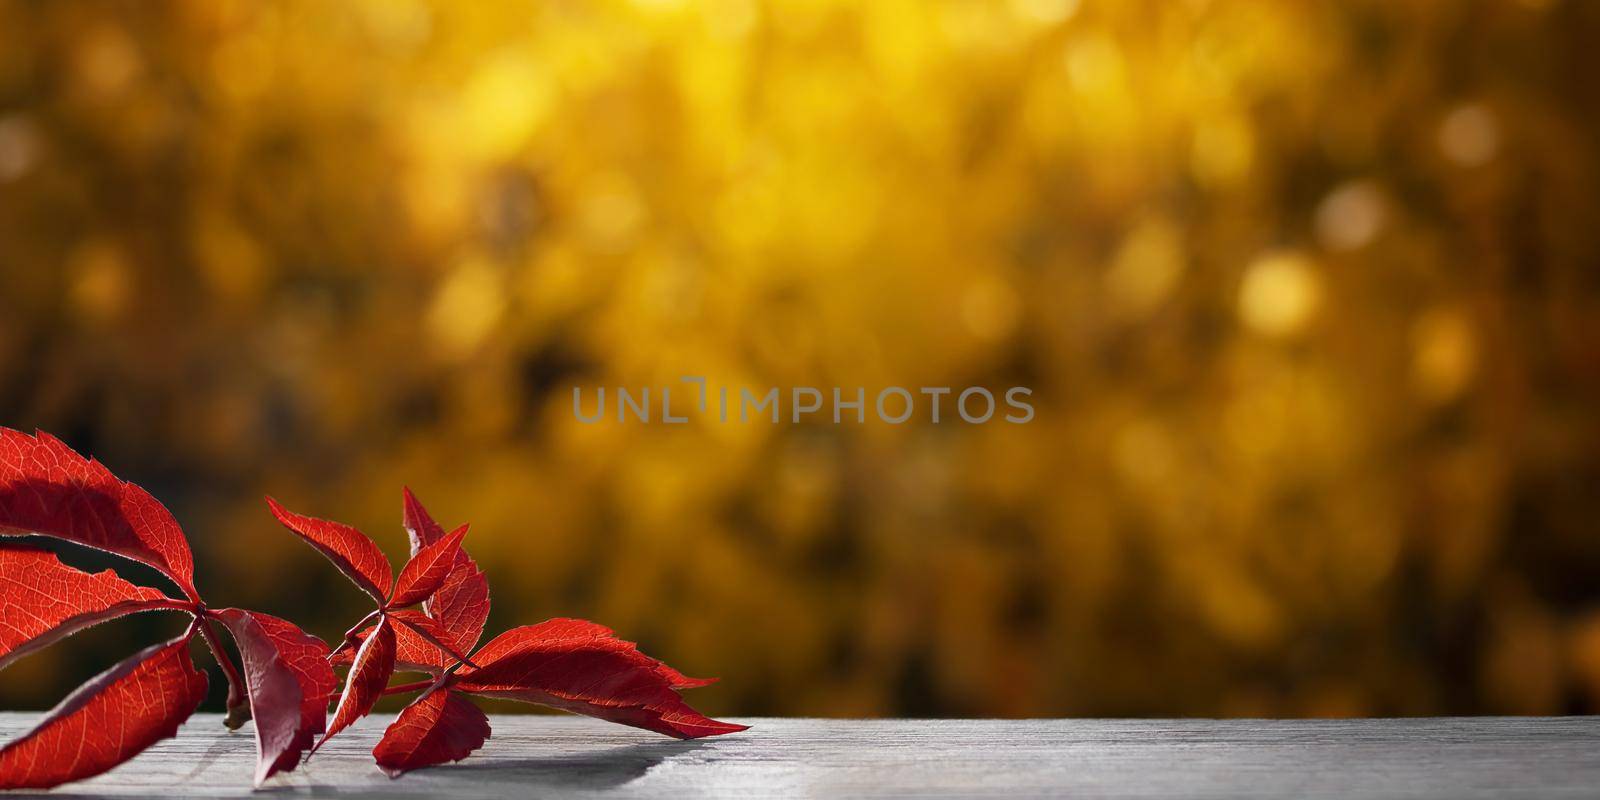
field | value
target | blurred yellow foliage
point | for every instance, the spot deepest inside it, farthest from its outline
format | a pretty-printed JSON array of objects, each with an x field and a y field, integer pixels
[{"x": 1306, "y": 292}]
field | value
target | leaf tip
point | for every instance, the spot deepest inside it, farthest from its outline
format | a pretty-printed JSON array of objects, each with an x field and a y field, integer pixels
[{"x": 712, "y": 727}]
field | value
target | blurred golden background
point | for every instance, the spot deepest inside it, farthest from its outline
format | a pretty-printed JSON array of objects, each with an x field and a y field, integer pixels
[{"x": 1308, "y": 295}]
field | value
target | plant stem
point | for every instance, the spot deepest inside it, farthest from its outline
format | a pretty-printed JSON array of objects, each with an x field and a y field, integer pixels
[
  {"x": 350, "y": 635},
  {"x": 425, "y": 686},
  {"x": 407, "y": 687},
  {"x": 238, "y": 696}
]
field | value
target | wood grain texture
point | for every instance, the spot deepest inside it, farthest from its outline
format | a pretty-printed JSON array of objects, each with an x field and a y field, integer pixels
[{"x": 570, "y": 756}]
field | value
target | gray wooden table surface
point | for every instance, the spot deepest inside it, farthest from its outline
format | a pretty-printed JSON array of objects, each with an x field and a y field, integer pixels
[{"x": 540, "y": 756}]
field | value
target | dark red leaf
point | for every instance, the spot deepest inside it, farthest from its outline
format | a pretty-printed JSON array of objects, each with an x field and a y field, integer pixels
[
  {"x": 418, "y": 522},
  {"x": 438, "y": 727},
  {"x": 573, "y": 666},
  {"x": 427, "y": 569},
  {"x": 369, "y": 674},
  {"x": 290, "y": 681},
  {"x": 417, "y": 654},
  {"x": 563, "y": 628},
  {"x": 49, "y": 490},
  {"x": 46, "y": 601},
  {"x": 461, "y": 605},
  {"x": 413, "y": 653},
  {"x": 108, "y": 720},
  {"x": 356, "y": 555}
]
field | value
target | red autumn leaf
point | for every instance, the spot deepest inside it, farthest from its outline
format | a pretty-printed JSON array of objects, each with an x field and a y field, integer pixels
[
  {"x": 565, "y": 628},
  {"x": 46, "y": 601},
  {"x": 428, "y": 630},
  {"x": 413, "y": 652},
  {"x": 438, "y": 727},
  {"x": 591, "y": 674},
  {"x": 569, "y": 664},
  {"x": 369, "y": 674},
  {"x": 679, "y": 680},
  {"x": 418, "y": 522},
  {"x": 49, "y": 490},
  {"x": 290, "y": 681},
  {"x": 427, "y": 569},
  {"x": 356, "y": 555},
  {"x": 108, "y": 720},
  {"x": 461, "y": 605}
]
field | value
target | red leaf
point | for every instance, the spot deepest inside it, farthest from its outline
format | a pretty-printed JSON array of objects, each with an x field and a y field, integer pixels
[
  {"x": 578, "y": 667},
  {"x": 290, "y": 681},
  {"x": 417, "y": 654},
  {"x": 427, "y": 569},
  {"x": 369, "y": 674},
  {"x": 438, "y": 727},
  {"x": 46, "y": 601},
  {"x": 413, "y": 628},
  {"x": 108, "y": 720},
  {"x": 563, "y": 628},
  {"x": 47, "y": 489},
  {"x": 357, "y": 556},
  {"x": 413, "y": 653},
  {"x": 461, "y": 605},
  {"x": 680, "y": 680}
]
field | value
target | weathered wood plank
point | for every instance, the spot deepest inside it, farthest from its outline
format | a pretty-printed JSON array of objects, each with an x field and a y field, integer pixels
[{"x": 566, "y": 756}]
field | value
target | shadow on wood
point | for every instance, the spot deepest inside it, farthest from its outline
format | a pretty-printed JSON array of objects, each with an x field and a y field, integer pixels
[{"x": 598, "y": 769}]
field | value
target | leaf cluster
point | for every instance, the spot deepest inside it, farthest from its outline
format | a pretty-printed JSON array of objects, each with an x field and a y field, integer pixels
[{"x": 429, "y": 618}]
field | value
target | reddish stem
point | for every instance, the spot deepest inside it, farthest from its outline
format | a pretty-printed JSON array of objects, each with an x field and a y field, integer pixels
[
  {"x": 407, "y": 687},
  {"x": 428, "y": 685},
  {"x": 350, "y": 635},
  {"x": 238, "y": 695}
]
